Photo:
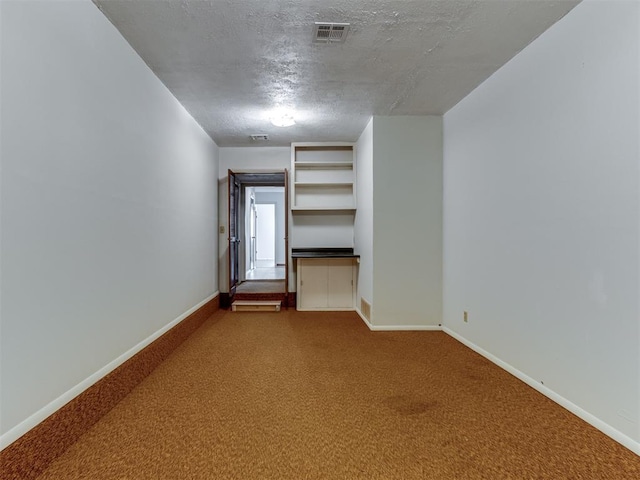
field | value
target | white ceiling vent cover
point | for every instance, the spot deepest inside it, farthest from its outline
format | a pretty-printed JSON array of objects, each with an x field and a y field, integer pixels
[
  {"x": 259, "y": 137},
  {"x": 325, "y": 32}
]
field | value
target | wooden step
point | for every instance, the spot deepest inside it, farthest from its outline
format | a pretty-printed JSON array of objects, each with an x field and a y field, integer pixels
[
  {"x": 272, "y": 297},
  {"x": 256, "y": 306}
]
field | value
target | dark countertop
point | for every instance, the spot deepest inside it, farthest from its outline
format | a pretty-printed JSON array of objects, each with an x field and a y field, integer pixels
[{"x": 323, "y": 253}]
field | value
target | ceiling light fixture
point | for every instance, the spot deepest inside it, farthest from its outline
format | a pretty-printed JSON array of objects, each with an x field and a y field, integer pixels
[{"x": 282, "y": 119}]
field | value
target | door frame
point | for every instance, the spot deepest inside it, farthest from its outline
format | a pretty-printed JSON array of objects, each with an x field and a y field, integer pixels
[
  {"x": 253, "y": 221},
  {"x": 233, "y": 202},
  {"x": 239, "y": 180}
]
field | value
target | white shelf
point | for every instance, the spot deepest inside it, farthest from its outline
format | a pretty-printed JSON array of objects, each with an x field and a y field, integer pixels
[
  {"x": 323, "y": 184},
  {"x": 323, "y": 177},
  {"x": 324, "y": 165},
  {"x": 346, "y": 208}
]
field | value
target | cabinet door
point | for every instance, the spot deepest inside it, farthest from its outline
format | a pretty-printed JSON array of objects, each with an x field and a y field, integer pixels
[
  {"x": 313, "y": 283},
  {"x": 340, "y": 283}
]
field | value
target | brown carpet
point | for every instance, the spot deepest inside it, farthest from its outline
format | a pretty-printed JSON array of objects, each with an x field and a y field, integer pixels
[{"x": 295, "y": 395}]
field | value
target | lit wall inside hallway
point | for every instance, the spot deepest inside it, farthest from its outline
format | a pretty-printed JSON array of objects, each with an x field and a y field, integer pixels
[
  {"x": 542, "y": 213},
  {"x": 108, "y": 204}
]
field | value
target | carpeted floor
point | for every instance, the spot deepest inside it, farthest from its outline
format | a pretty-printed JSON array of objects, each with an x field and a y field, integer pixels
[{"x": 295, "y": 395}]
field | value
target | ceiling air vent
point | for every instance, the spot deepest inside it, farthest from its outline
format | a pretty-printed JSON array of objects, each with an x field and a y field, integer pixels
[
  {"x": 259, "y": 137},
  {"x": 324, "y": 32}
]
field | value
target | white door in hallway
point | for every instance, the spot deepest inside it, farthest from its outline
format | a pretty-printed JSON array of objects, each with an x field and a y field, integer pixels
[{"x": 265, "y": 235}]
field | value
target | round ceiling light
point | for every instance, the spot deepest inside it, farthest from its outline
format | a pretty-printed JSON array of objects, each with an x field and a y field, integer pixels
[{"x": 282, "y": 120}]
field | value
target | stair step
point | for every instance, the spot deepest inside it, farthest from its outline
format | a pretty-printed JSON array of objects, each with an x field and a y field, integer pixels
[
  {"x": 260, "y": 296},
  {"x": 256, "y": 306}
]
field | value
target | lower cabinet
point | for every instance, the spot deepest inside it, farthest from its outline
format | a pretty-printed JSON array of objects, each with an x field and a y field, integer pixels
[{"x": 326, "y": 283}]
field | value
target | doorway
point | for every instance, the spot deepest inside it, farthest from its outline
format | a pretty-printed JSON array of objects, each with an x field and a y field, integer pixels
[
  {"x": 265, "y": 219},
  {"x": 258, "y": 242}
]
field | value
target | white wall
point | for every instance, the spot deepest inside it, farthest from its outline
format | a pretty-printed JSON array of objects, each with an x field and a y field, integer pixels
[
  {"x": 244, "y": 159},
  {"x": 254, "y": 159},
  {"x": 276, "y": 199},
  {"x": 542, "y": 215},
  {"x": 322, "y": 229},
  {"x": 363, "y": 224},
  {"x": 407, "y": 221},
  {"x": 108, "y": 205}
]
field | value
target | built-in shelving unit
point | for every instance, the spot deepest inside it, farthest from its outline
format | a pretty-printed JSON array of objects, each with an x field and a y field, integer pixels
[
  {"x": 323, "y": 177},
  {"x": 326, "y": 283}
]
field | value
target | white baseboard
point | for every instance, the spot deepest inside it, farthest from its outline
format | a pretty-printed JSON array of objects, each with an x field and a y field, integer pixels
[
  {"x": 392, "y": 328},
  {"x": 339, "y": 309},
  {"x": 366, "y": 322},
  {"x": 605, "y": 428},
  {"x": 397, "y": 328},
  {"x": 23, "y": 427}
]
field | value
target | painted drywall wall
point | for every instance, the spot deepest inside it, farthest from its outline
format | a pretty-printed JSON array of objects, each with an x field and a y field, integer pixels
[
  {"x": 542, "y": 213},
  {"x": 254, "y": 159},
  {"x": 276, "y": 199},
  {"x": 407, "y": 221},
  {"x": 363, "y": 222},
  {"x": 322, "y": 229},
  {"x": 108, "y": 204},
  {"x": 243, "y": 159}
]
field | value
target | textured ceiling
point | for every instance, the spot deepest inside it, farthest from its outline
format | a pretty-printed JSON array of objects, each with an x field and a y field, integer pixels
[{"x": 230, "y": 62}]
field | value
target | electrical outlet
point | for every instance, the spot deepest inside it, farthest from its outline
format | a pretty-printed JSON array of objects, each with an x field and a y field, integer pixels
[
  {"x": 221, "y": 228},
  {"x": 465, "y": 316}
]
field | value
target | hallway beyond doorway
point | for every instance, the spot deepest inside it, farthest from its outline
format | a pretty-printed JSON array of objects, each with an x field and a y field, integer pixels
[
  {"x": 260, "y": 287},
  {"x": 266, "y": 273}
]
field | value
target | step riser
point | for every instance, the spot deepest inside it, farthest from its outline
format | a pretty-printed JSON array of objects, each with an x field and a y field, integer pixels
[
  {"x": 260, "y": 296},
  {"x": 255, "y": 306},
  {"x": 248, "y": 308}
]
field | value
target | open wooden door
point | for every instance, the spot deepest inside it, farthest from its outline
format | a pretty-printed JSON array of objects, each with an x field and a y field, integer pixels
[
  {"x": 286, "y": 238},
  {"x": 234, "y": 240}
]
